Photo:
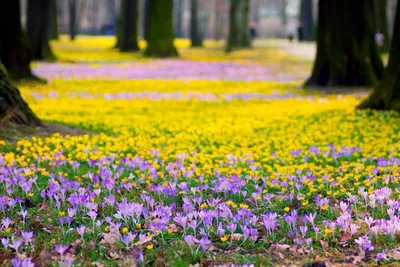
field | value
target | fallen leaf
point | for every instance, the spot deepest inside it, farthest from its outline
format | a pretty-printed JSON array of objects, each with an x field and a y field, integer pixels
[
  {"x": 395, "y": 254},
  {"x": 159, "y": 262},
  {"x": 345, "y": 237},
  {"x": 144, "y": 241},
  {"x": 236, "y": 236},
  {"x": 111, "y": 237},
  {"x": 324, "y": 245}
]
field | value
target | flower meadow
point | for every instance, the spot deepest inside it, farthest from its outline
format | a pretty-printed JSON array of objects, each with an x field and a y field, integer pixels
[{"x": 200, "y": 171}]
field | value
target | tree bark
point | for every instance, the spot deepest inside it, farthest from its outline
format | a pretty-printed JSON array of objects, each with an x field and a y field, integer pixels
[
  {"x": 386, "y": 95},
  {"x": 15, "y": 51},
  {"x": 72, "y": 19},
  {"x": 382, "y": 22},
  {"x": 13, "y": 109},
  {"x": 238, "y": 36},
  {"x": 347, "y": 54},
  {"x": 160, "y": 29},
  {"x": 129, "y": 26},
  {"x": 53, "y": 21},
  {"x": 306, "y": 20},
  {"x": 195, "y": 33},
  {"x": 38, "y": 29},
  {"x": 244, "y": 23}
]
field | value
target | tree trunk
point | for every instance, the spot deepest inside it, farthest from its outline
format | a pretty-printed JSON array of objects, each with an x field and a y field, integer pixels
[
  {"x": 284, "y": 19},
  {"x": 386, "y": 95},
  {"x": 15, "y": 51},
  {"x": 146, "y": 17},
  {"x": 178, "y": 21},
  {"x": 129, "y": 25},
  {"x": 53, "y": 21},
  {"x": 38, "y": 29},
  {"x": 195, "y": 34},
  {"x": 233, "y": 30},
  {"x": 347, "y": 54},
  {"x": 238, "y": 36},
  {"x": 160, "y": 29},
  {"x": 13, "y": 108},
  {"x": 244, "y": 23},
  {"x": 382, "y": 23},
  {"x": 306, "y": 20},
  {"x": 118, "y": 32},
  {"x": 72, "y": 19}
]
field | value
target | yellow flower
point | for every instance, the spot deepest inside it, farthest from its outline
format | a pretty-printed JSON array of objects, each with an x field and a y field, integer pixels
[
  {"x": 7, "y": 230},
  {"x": 328, "y": 231},
  {"x": 138, "y": 225},
  {"x": 224, "y": 238},
  {"x": 287, "y": 209},
  {"x": 62, "y": 213},
  {"x": 125, "y": 230},
  {"x": 149, "y": 247}
]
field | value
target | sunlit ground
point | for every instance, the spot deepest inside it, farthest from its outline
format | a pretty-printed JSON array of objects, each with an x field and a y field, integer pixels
[{"x": 210, "y": 158}]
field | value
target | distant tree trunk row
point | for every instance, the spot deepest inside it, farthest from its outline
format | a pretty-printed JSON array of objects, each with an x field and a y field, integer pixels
[
  {"x": 239, "y": 36},
  {"x": 195, "y": 31}
]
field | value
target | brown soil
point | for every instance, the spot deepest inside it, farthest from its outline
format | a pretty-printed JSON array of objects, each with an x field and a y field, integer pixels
[{"x": 13, "y": 133}]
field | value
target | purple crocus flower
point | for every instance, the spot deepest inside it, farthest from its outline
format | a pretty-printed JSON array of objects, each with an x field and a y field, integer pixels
[
  {"x": 5, "y": 242},
  {"x": 364, "y": 243},
  {"x": 269, "y": 221},
  {"x": 27, "y": 236},
  {"x": 17, "y": 242},
  {"x": 61, "y": 249},
  {"x": 81, "y": 230},
  {"x": 127, "y": 239}
]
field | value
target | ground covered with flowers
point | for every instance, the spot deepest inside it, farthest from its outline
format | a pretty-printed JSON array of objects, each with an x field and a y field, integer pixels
[{"x": 198, "y": 170}]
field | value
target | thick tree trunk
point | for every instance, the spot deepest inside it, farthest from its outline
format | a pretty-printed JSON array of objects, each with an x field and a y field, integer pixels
[
  {"x": 306, "y": 20},
  {"x": 53, "y": 21},
  {"x": 38, "y": 29},
  {"x": 160, "y": 29},
  {"x": 233, "y": 29},
  {"x": 238, "y": 36},
  {"x": 72, "y": 19},
  {"x": 244, "y": 23},
  {"x": 13, "y": 108},
  {"x": 347, "y": 54},
  {"x": 129, "y": 26},
  {"x": 386, "y": 95},
  {"x": 195, "y": 33},
  {"x": 15, "y": 51},
  {"x": 382, "y": 22}
]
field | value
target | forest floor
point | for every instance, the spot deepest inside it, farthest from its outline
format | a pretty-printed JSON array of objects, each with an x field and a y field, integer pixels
[{"x": 207, "y": 159}]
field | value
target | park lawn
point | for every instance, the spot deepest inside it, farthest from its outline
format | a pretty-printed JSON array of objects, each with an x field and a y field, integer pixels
[{"x": 189, "y": 171}]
